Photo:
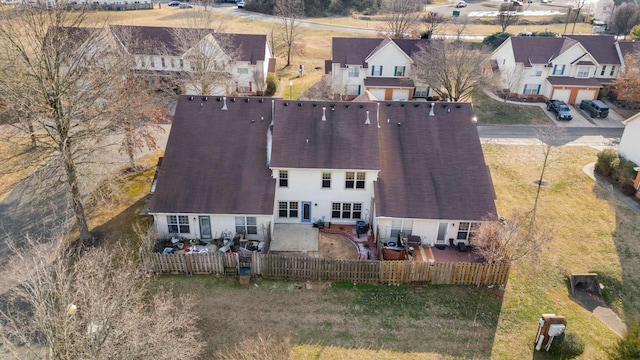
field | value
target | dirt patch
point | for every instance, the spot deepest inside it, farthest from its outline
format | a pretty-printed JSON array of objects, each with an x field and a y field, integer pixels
[{"x": 334, "y": 246}]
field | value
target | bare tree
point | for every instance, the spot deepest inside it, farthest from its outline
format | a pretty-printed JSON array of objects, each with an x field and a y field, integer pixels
[
  {"x": 210, "y": 54},
  {"x": 508, "y": 240},
  {"x": 550, "y": 137},
  {"x": 72, "y": 90},
  {"x": 95, "y": 306},
  {"x": 627, "y": 85},
  {"x": 508, "y": 80},
  {"x": 452, "y": 70},
  {"x": 459, "y": 24},
  {"x": 402, "y": 17},
  {"x": 624, "y": 18},
  {"x": 507, "y": 15},
  {"x": 433, "y": 23},
  {"x": 577, "y": 8},
  {"x": 288, "y": 13}
]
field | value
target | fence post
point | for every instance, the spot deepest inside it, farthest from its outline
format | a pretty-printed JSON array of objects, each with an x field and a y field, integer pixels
[{"x": 189, "y": 267}]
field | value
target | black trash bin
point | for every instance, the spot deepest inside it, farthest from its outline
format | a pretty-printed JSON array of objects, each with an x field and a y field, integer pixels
[{"x": 361, "y": 227}]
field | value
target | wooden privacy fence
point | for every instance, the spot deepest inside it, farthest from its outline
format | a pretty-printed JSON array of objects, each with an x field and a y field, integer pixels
[{"x": 305, "y": 268}]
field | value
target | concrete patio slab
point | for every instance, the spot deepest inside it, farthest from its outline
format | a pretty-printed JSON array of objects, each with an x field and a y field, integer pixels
[{"x": 294, "y": 238}]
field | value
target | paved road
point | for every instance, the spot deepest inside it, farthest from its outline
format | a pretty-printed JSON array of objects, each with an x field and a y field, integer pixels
[{"x": 598, "y": 137}]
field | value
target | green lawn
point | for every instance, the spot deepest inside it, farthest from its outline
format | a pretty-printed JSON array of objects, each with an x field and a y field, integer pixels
[{"x": 493, "y": 112}]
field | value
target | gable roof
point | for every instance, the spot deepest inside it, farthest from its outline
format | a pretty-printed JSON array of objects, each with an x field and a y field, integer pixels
[
  {"x": 432, "y": 166},
  {"x": 216, "y": 161},
  {"x": 141, "y": 39},
  {"x": 601, "y": 47},
  {"x": 538, "y": 49},
  {"x": 342, "y": 141},
  {"x": 355, "y": 51}
]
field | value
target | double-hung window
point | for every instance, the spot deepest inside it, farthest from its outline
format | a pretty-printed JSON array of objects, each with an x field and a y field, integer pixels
[
  {"x": 246, "y": 225},
  {"x": 558, "y": 69},
  {"x": 531, "y": 89},
  {"x": 346, "y": 210},
  {"x": 283, "y": 178},
  {"x": 353, "y": 89},
  {"x": 399, "y": 70},
  {"x": 326, "y": 180},
  {"x": 178, "y": 224},
  {"x": 466, "y": 230},
  {"x": 536, "y": 71},
  {"x": 288, "y": 209},
  {"x": 613, "y": 70},
  {"x": 376, "y": 70},
  {"x": 604, "y": 68},
  {"x": 355, "y": 180},
  {"x": 583, "y": 72},
  {"x": 243, "y": 70},
  {"x": 354, "y": 71}
]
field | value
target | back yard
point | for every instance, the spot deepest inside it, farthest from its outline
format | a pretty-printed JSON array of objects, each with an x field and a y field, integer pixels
[{"x": 594, "y": 233}]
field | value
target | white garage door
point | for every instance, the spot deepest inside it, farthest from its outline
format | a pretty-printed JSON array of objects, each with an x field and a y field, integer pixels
[
  {"x": 585, "y": 95},
  {"x": 400, "y": 94},
  {"x": 378, "y": 93},
  {"x": 562, "y": 95}
]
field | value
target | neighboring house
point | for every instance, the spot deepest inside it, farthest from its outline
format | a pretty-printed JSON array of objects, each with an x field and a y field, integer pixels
[
  {"x": 380, "y": 66},
  {"x": 242, "y": 165},
  {"x": 570, "y": 68},
  {"x": 166, "y": 54},
  {"x": 627, "y": 48},
  {"x": 629, "y": 147}
]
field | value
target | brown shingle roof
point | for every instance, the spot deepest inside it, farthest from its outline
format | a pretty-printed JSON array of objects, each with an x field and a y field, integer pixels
[
  {"x": 432, "y": 166},
  {"x": 538, "y": 49},
  {"x": 392, "y": 82},
  {"x": 215, "y": 161},
  {"x": 303, "y": 140},
  {"x": 354, "y": 51},
  {"x": 140, "y": 39},
  {"x": 601, "y": 47},
  {"x": 571, "y": 81},
  {"x": 629, "y": 47}
]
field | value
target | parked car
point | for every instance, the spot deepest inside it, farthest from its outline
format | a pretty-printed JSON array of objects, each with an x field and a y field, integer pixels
[
  {"x": 517, "y": 2},
  {"x": 185, "y": 6},
  {"x": 595, "y": 108},
  {"x": 240, "y": 4},
  {"x": 562, "y": 110},
  {"x": 174, "y": 3},
  {"x": 461, "y": 4}
]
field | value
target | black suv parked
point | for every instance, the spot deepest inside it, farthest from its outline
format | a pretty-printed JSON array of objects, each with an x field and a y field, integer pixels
[{"x": 595, "y": 108}]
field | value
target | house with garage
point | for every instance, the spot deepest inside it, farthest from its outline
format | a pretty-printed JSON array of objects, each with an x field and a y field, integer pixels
[
  {"x": 629, "y": 147},
  {"x": 381, "y": 67},
  {"x": 212, "y": 64},
  {"x": 259, "y": 166},
  {"x": 569, "y": 68}
]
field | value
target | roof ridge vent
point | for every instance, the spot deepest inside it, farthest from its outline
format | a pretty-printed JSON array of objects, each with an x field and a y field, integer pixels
[
  {"x": 324, "y": 113},
  {"x": 431, "y": 113},
  {"x": 367, "y": 122},
  {"x": 224, "y": 103}
]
